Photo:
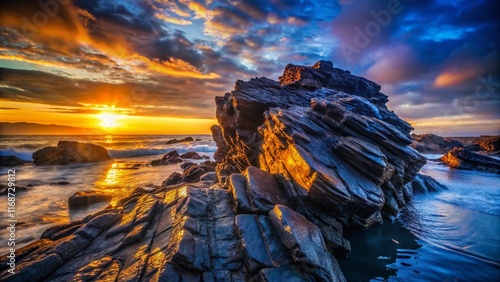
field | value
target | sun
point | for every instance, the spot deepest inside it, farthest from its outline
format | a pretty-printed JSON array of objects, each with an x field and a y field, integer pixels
[{"x": 108, "y": 120}]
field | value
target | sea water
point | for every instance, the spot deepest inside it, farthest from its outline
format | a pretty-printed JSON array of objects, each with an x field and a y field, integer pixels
[
  {"x": 447, "y": 236},
  {"x": 45, "y": 204}
]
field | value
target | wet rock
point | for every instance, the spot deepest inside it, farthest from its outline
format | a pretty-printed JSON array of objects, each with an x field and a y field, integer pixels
[
  {"x": 171, "y": 157},
  {"x": 175, "y": 141},
  {"x": 433, "y": 144},
  {"x": 84, "y": 199},
  {"x": 424, "y": 184},
  {"x": 68, "y": 152},
  {"x": 10, "y": 161},
  {"x": 464, "y": 159},
  {"x": 191, "y": 155}
]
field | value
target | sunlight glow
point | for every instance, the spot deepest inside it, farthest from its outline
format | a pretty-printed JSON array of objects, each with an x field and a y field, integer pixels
[{"x": 108, "y": 120}]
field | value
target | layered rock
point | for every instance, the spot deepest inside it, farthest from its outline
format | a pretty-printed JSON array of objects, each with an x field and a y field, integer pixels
[
  {"x": 464, "y": 159},
  {"x": 489, "y": 144},
  {"x": 327, "y": 132},
  {"x": 68, "y": 152},
  {"x": 433, "y": 144},
  {"x": 186, "y": 232}
]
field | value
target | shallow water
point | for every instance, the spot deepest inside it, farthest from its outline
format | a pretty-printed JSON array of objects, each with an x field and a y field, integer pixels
[
  {"x": 447, "y": 236},
  {"x": 46, "y": 203}
]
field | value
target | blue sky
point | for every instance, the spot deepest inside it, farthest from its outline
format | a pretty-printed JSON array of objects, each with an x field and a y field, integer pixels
[{"x": 436, "y": 60}]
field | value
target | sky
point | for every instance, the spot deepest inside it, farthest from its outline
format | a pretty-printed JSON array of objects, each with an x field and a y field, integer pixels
[{"x": 155, "y": 66}]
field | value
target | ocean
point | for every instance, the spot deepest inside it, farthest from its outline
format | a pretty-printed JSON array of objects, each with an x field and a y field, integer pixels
[
  {"x": 447, "y": 236},
  {"x": 46, "y": 202}
]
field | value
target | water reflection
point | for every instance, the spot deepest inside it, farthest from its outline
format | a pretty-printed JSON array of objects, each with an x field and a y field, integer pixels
[{"x": 379, "y": 251}]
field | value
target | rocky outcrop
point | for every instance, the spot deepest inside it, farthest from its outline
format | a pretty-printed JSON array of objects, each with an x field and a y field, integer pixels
[
  {"x": 464, "y": 159},
  {"x": 433, "y": 144},
  {"x": 489, "y": 144},
  {"x": 187, "y": 232},
  {"x": 327, "y": 132},
  {"x": 10, "y": 161},
  {"x": 68, "y": 152},
  {"x": 183, "y": 140}
]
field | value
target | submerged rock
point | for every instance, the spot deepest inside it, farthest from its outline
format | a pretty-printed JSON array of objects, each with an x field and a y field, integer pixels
[
  {"x": 175, "y": 141},
  {"x": 84, "y": 199},
  {"x": 10, "y": 161},
  {"x": 68, "y": 152},
  {"x": 464, "y": 159}
]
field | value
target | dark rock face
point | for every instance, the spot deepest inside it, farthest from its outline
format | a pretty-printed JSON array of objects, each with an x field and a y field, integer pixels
[
  {"x": 171, "y": 157},
  {"x": 10, "y": 161},
  {"x": 68, "y": 152},
  {"x": 174, "y": 141},
  {"x": 191, "y": 155},
  {"x": 431, "y": 143},
  {"x": 464, "y": 159},
  {"x": 84, "y": 199},
  {"x": 222, "y": 147}
]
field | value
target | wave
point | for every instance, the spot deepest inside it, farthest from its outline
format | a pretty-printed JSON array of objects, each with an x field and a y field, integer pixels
[
  {"x": 208, "y": 149},
  {"x": 23, "y": 154}
]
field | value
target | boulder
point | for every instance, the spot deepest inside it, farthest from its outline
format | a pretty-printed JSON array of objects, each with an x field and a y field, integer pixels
[
  {"x": 84, "y": 199},
  {"x": 191, "y": 155},
  {"x": 174, "y": 141},
  {"x": 433, "y": 144},
  {"x": 171, "y": 157},
  {"x": 464, "y": 159},
  {"x": 10, "y": 161},
  {"x": 68, "y": 152}
]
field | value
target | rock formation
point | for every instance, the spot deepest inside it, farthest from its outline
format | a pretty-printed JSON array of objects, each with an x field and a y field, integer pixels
[
  {"x": 299, "y": 161},
  {"x": 10, "y": 161},
  {"x": 465, "y": 159},
  {"x": 68, "y": 152},
  {"x": 488, "y": 143},
  {"x": 175, "y": 141},
  {"x": 433, "y": 144},
  {"x": 84, "y": 199},
  {"x": 171, "y": 157}
]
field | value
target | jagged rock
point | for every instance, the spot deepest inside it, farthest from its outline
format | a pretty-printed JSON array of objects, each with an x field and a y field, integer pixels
[
  {"x": 433, "y": 144},
  {"x": 174, "y": 178},
  {"x": 307, "y": 244},
  {"x": 174, "y": 141},
  {"x": 338, "y": 144},
  {"x": 222, "y": 147},
  {"x": 488, "y": 143},
  {"x": 84, "y": 199},
  {"x": 424, "y": 184},
  {"x": 171, "y": 157},
  {"x": 465, "y": 159},
  {"x": 68, "y": 152},
  {"x": 191, "y": 155},
  {"x": 10, "y": 161},
  {"x": 209, "y": 176}
]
